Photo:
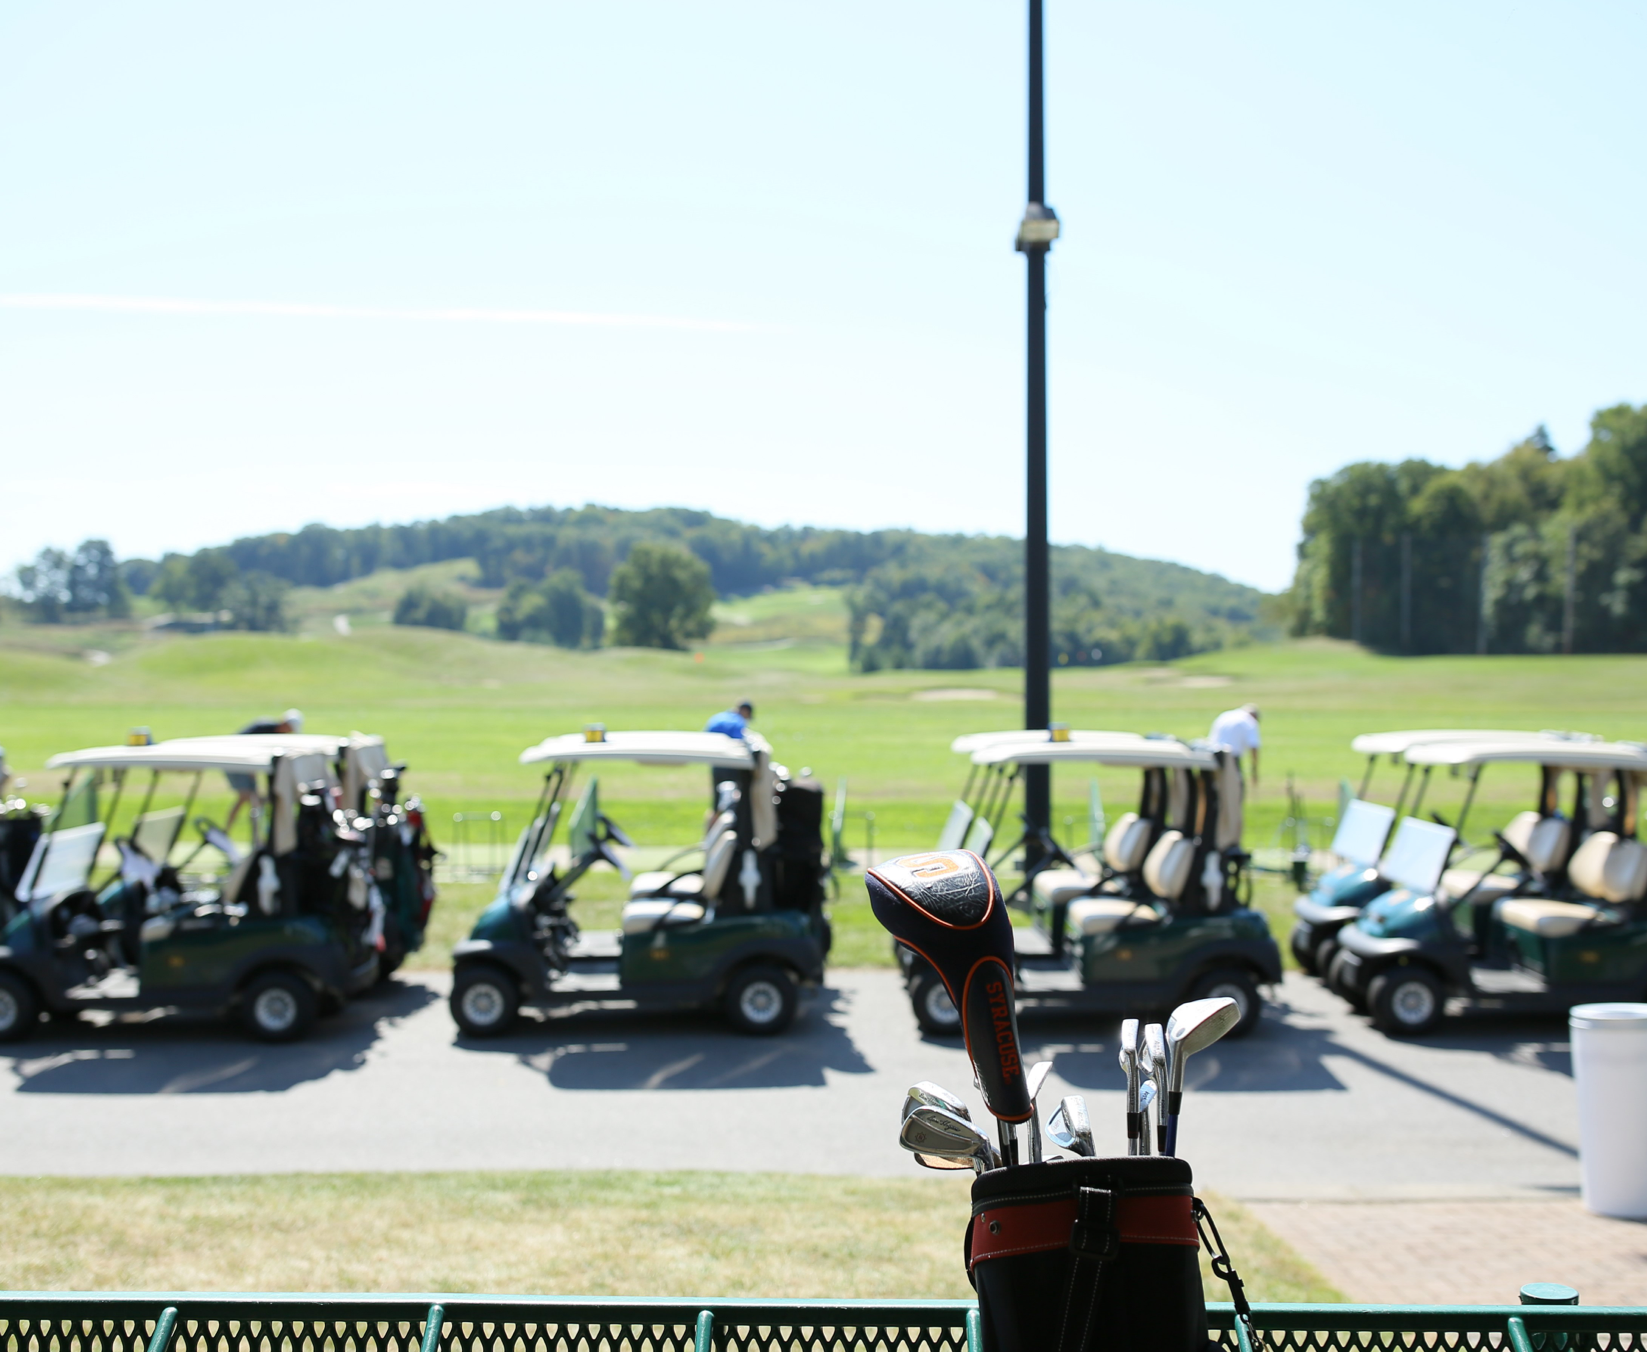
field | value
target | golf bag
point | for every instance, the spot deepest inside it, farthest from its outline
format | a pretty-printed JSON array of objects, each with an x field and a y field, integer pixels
[{"x": 1089, "y": 1255}]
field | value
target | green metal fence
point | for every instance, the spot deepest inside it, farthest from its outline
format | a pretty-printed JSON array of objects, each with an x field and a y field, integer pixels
[{"x": 67, "y": 1322}]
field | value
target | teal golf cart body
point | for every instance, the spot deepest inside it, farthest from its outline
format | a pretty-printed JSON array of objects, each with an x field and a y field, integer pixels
[
  {"x": 1364, "y": 830},
  {"x": 1157, "y": 918},
  {"x": 735, "y": 922},
  {"x": 283, "y": 930},
  {"x": 1555, "y": 919}
]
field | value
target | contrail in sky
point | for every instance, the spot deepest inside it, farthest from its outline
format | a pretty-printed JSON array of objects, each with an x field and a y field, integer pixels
[{"x": 173, "y": 305}]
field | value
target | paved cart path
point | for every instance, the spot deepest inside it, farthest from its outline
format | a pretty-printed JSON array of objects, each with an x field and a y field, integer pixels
[{"x": 1314, "y": 1106}]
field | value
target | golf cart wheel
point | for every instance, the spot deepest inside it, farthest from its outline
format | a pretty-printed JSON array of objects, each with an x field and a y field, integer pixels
[
  {"x": 761, "y": 1000},
  {"x": 278, "y": 1007},
  {"x": 1406, "y": 1002},
  {"x": 1237, "y": 985},
  {"x": 1302, "y": 950},
  {"x": 1325, "y": 952},
  {"x": 485, "y": 1000},
  {"x": 1341, "y": 988},
  {"x": 934, "y": 1010},
  {"x": 19, "y": 1010}
]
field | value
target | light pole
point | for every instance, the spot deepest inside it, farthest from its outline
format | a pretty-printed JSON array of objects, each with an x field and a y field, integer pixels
[{"x": 1035, "y": 235}]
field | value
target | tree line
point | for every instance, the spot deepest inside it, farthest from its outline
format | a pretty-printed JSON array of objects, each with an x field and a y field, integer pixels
[
  {"x": 581, "y": 577},
  {"x": 1527, "y": 553}
]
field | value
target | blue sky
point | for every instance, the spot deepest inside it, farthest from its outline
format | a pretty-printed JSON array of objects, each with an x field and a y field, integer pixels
[{"x": 262, "y": 265}]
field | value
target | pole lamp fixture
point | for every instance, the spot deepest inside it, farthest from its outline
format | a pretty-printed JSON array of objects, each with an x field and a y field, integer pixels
[{"x": 1036, "y": 233}]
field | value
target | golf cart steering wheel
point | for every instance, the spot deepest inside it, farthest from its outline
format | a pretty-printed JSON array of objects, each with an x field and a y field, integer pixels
[
  {"x": 1510, "y": 851},
  {"x": 612, "y": 831}
]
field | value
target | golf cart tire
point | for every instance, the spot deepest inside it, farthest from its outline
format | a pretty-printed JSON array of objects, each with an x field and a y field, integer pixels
[
  {"x": 278, "y": 1007},
  {"x": 761, "y": 1000},
  {"x": 19, "y": 1008},
  {"x": 934, "y": 1010},
  {"x": 1302, "y": 954},
  {"x": 485, "y": 1000},
  {"x": 1344, "y": 992},
  {"x": 1406, "y": 1001},
  {"x": 1325, "y": 952},
  {"x": 1239, "y": 986}
]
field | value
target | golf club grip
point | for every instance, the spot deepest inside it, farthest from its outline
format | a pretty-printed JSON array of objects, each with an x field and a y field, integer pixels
[{"x": 947, "y": 908}]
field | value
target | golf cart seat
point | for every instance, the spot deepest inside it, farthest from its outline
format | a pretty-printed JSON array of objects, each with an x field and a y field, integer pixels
[
  {"x": 654, "y": 882},
  {"x": 1055, "y": 886},
  {"x": 1610, "y": 868},
  {"x": 1455, "y": 882},
  {"x": 1541, "y": 841},
  {"x": 1102, "y": 915},
  {"x": 1126, "y": 844},
  {"x": 1548, "y": 919},
  {"x": 1167, "y": 869},
  {"x": 683, "y": 902}
]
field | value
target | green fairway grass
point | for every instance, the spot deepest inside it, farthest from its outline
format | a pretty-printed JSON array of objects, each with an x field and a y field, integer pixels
[
  {"x": 459, "y": 708},
  {"x": 571, "y": 1234}
]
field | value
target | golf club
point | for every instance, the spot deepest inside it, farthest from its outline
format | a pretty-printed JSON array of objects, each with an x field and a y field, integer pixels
[
  {"x": 1068, "y": 1128},
  {"x": 1128, "y": 1056},
  {"x": 1146, "y": 1096},
  {"x": 947, "y": 1162},
  {"x": 932, "y": 1096},
  {"x": 1037, "y": 1077},
  {"x": 1191, "y": 1028},
  {"x": 1155, "y": 1057},
  {"x": 937, "y": 1131},
  {"x": 947, "y": 907}
]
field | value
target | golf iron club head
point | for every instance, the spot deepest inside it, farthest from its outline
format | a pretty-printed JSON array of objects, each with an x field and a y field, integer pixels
[
  {"x": 1147, "y": 1095},
  {"x": 1155, "y": 1057},
  {"x": 948, "y": 1162},
  {"x": 1193, "y": 1027},
  {"x": 1068, "y": 1128},
  {"x": 930, "y": 1095},
  {"x": 1128, "y": 1055},
  {"x": 1037, "y": 1077},
  {"x": 937, "y": 1131},
  {"x": 947, "y": 907}
]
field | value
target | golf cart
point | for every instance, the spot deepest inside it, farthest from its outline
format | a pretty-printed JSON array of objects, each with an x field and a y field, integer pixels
[
  {"x": 21, "y": 823},
  {"x": 1363, "y": 831},
  {"x": 370, "y": 789},
  {"x": 290, "y": 930},
  {"x": 1158, "y": 919},
  {"x": 1555, "y": 919},
  {"x": 735, "y": 922}
]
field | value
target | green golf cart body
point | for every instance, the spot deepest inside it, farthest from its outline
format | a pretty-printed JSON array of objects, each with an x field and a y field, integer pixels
[
  {"x": 736, "y": 924},
  {"x": 1557, "y": 918},
  {"x": 290, "y": 930},
  {"x": 1158, "y": 917}
]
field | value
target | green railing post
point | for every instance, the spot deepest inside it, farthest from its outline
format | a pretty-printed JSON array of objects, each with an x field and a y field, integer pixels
[
  {"x": 705, "y": 1339},
  {"x": 432, "y": 1323},
  {"x": 164, "y": 1327},
  {"x": 1519, "y": 1341},
  {"x": 974, "y": 1331}
]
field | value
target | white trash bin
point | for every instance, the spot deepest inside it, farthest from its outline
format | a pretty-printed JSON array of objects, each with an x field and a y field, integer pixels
[{"x": 1610, "y": 1069}]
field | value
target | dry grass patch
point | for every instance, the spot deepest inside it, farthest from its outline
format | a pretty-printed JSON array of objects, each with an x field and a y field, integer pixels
[{"x": 607, "y": 1233}]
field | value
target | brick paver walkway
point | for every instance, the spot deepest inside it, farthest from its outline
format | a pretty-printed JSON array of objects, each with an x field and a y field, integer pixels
[{"x": 1466, "y": 1251}]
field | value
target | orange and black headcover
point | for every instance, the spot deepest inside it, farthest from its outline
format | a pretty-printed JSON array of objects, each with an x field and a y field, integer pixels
[{"x": 947, "y": 907}]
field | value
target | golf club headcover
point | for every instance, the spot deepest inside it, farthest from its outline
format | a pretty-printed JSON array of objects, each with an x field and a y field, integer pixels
[
  {"x": 1077, "y": 1255},
  {"x": 947, "y": 907}
]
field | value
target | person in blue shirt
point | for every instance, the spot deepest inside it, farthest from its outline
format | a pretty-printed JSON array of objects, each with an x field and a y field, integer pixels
[{"x": 734, "y": 722}]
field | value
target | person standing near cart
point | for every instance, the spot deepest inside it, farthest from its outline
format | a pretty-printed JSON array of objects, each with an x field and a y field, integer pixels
[
  {"x": 1236, "y": 730},
  {"x": 245, "y": 786},
  {"x": 734, "y": 722}
]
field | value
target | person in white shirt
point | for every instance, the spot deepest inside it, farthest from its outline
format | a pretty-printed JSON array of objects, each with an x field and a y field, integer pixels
[{"x": 1237, "y": 729}]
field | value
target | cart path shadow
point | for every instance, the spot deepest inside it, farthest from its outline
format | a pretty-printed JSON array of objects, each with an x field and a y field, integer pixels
[
  {"x": 178, "y": 1055},
  {"x": 1288, "y": 1051},
  {"x": 625, "y": 1051}
]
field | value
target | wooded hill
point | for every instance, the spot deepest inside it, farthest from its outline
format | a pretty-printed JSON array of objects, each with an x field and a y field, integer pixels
[
  {"x": 1528, "y": 553},
  {"x": 937, "y": 601}
]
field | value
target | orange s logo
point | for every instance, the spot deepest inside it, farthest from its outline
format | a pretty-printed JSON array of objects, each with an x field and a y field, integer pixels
[{"x": 931, "y": 865}]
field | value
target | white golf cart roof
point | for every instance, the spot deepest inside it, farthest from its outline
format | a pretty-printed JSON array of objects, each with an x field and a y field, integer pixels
[
  {"x": 255, "y": 754},
  {"x": 1125, "y": 749},
  {"x": 291, "y": 743},
  {"x": 652, "y": 748},
  {"x": 1549, "y": 751},
  {"x": 1394, "y": 743},
  {"x": 970, "y": 742}
]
